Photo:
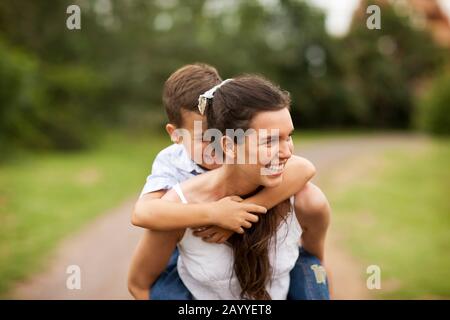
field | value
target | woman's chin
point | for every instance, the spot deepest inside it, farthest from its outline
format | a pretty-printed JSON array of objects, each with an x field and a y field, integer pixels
[{"x": 270, "y": 181}]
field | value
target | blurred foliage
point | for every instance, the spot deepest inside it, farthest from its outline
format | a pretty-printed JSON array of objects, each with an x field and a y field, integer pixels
[
  {"x": 21, "y": 99},
  {"x": 434, "y": 107},
  {"x": 45, "y": 106},
  {"x": 60, "y": 85},
  {"x": 387, "y": 66}
]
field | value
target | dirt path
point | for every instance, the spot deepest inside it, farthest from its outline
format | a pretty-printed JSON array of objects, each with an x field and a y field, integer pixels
[{"x": 103, "y": 249}]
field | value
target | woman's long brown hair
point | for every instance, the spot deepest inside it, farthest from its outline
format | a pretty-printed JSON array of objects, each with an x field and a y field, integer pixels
[{"x": 233, "y": 107}]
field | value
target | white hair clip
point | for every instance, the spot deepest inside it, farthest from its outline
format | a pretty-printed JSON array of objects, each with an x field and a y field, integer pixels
[{"x": 203, "y": 98}]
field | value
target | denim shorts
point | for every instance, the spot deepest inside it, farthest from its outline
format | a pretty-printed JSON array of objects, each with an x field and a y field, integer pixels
[{"x": 308, "y": 281}]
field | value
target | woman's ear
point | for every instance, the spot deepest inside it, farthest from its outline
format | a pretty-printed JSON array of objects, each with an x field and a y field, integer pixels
[
  {"x": 172, "y": 131},
  {"x": 229, "y": 148}
]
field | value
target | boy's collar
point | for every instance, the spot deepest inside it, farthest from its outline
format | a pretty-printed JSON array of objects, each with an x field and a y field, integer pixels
[{"x": 185, "y": 163}]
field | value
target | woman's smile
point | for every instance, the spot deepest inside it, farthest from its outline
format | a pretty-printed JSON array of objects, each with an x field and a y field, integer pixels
[{"x": 274, "y": 168}]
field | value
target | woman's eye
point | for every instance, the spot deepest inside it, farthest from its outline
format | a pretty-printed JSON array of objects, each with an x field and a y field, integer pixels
[{"x": 271, "y": 141}]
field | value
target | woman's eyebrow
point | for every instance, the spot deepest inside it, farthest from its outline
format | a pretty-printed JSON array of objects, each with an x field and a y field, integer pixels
[
  {"x": 291, "y": 132},
  {"x": 269, "y": 138},
  {"x": 273, "y": 137}
]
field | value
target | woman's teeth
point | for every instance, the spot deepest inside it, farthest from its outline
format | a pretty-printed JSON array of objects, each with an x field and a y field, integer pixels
[{"x": 275, "y": 168}]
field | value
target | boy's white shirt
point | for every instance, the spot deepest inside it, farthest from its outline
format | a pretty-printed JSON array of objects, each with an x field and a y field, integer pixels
[{"x": 172, "y": 165}]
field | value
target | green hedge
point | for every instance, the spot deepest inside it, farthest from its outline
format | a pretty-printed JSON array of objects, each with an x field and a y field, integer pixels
[
  {"x": 433, "y": 113},
  {"x": 45, "y": 106}
]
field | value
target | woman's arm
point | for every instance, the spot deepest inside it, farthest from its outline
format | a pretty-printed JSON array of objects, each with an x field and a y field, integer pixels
[{"x": 150, "y": 260}]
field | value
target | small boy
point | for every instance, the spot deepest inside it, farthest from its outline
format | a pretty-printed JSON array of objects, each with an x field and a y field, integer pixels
[{"x": 217, "y": 221}]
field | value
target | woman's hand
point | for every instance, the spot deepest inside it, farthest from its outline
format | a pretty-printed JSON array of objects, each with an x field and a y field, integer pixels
[{"x": 213, "y": 234}]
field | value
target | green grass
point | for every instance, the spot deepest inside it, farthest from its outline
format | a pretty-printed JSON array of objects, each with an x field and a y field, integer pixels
[
  {"x": 397, "y": 216},
  {"x": 46, "y": 197}
]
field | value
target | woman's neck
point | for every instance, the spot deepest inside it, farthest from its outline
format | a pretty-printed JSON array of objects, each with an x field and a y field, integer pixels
[{"x": 226, "y": 181}]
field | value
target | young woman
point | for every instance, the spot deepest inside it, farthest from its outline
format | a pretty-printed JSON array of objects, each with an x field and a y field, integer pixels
[{"x": 255, "y": 265}]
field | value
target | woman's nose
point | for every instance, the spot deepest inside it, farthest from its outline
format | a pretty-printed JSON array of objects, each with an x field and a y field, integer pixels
[{"x": 285, "y": 151}]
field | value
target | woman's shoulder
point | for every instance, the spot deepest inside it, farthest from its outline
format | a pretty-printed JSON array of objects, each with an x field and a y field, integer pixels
[{"x": 171, "y": 196}]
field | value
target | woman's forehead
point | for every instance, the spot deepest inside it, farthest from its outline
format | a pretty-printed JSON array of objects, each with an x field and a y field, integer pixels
[{"x": 278, "y": 119}]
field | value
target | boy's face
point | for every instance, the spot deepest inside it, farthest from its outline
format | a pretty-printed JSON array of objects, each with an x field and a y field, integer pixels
[{"x": 193, "y": 139}]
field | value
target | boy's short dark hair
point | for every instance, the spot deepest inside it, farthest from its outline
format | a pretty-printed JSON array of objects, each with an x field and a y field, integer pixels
[{"x": 184, "y": 86}]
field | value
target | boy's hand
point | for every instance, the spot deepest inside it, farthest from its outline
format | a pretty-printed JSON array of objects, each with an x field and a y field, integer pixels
[
  {"x": 213, "y": 234},
  {"x": 232, "y": 214}
]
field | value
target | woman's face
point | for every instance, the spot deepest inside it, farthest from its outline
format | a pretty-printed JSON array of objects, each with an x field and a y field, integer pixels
[{"x": 270, "y": 144}]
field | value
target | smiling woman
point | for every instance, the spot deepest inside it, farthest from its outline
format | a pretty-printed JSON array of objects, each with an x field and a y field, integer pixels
[{"x": 258, "y": 108}]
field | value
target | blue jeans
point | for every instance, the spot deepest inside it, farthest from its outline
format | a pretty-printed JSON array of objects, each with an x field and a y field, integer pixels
[
  {"x": 169, "y": 286},
  {"x": 306, "y": 282}
]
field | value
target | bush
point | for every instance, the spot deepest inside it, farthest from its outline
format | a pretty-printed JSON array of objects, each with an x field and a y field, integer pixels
[
  {"x": 433, "y": 112},
  {"x": 21, "y": 99},
  {"x": 73, "y": 108},
  {"x": 46, "y": 106}
]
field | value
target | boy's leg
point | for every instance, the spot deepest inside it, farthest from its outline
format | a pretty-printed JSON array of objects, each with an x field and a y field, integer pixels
[
  {"x": 169, "y": 286},
  {"x": 308, "y": 279}
]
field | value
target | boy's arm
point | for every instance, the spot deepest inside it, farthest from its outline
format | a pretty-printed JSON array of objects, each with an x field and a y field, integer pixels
[
  {"x": 151, "y": 212},
  {"x": 149, "y": 261},
  {"x": 297, "y": 173}
]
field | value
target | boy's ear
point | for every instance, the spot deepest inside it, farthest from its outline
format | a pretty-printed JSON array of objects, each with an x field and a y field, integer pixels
[
  {"x": 171, "y": 130},
  {"x": 228, "y": 147}
]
